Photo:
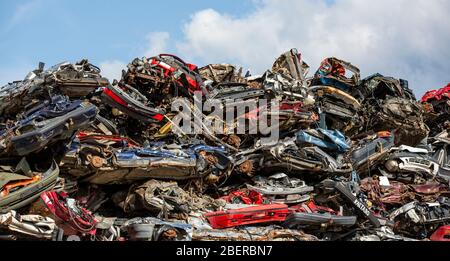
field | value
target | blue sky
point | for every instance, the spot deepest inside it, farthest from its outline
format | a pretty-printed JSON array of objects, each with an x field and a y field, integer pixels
[
  {"x": 403, "y": 38},
  {"x": 56, "y": 30}
]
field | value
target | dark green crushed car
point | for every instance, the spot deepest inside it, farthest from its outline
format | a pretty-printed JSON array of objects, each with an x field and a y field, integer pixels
[{"x": 19, "y": 190}]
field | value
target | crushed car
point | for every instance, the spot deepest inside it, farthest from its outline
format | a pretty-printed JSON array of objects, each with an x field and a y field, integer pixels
[{"x": 172, "y": 151}]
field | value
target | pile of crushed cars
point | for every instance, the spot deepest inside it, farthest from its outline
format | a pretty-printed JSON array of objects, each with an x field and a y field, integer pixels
[{"x": 84, "y": 158}]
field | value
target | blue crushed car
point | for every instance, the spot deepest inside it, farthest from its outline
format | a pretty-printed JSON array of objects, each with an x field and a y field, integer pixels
[{"x": 44, "y": 125}]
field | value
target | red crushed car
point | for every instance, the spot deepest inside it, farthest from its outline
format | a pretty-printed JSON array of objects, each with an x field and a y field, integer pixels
[{"x": 249, "y": 215}]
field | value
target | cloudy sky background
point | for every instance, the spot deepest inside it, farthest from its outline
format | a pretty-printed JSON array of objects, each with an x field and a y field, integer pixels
[{"x": 401, "y": 38}]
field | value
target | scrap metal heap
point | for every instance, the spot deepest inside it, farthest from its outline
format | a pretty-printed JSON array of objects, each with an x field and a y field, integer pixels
[{"x": 83, "y": 158}]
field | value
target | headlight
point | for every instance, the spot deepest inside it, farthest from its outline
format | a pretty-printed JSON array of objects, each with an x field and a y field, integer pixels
[{"x": 392, "y": 166}]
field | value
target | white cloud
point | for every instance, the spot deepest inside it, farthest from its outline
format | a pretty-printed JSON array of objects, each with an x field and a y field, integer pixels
[
  {"x": 157, "y": 43},
  {"x": 402, "y": 38},
  {"x": 112, "y": 69}
]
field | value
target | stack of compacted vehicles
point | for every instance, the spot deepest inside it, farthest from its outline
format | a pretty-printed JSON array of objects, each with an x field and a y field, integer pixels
[{"x": 83, "y": 157}]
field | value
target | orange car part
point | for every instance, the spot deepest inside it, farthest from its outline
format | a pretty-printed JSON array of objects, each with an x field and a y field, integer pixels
[
  {"x": 384, "y": 134},
  {"x": 9, "y": 187}
]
